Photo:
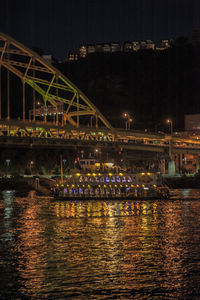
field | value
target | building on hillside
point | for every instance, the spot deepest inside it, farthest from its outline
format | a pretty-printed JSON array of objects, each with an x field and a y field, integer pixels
[
  {"x": 136, "y": 45},
  {"x": 83, "y": 51},
  {"x": 115, "y": 47},
  {"x": 106, "y": 48},
  {"x": 150, "y": 44},
  {"x": 143, "y": 45},
  {"x": 72, "y": 56},
  {"x": 99, "y": 48},
  {"x": 165, "y": 44},
  {"x": 128, "y": 47},
  {"x": 49, "y": 58},
  {"x": 91, "y": 49}
]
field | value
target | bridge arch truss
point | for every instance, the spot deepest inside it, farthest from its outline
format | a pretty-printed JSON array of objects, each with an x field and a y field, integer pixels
[{"x": 59, "y": 94}]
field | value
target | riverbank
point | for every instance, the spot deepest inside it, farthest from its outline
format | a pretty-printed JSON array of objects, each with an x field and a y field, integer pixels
[
  {"x": 15, "y": 183},
  {"x": 183, "y": 182},
  {"x": 24, "y": 185}
]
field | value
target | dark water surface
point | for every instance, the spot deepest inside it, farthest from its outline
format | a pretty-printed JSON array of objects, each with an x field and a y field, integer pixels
[{"x": 100, "y": 249}]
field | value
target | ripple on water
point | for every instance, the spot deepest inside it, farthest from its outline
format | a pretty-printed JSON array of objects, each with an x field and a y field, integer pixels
[{"x": 100, "y": 249}]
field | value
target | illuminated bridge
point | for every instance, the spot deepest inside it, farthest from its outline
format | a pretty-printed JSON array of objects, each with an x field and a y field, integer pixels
[{"x": 54, "y": 113}]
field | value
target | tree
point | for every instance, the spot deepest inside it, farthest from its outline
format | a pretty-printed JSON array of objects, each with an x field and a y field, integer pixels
[
  {"x": 42, "y": 171},
  {"x": 56, "y": 170}
]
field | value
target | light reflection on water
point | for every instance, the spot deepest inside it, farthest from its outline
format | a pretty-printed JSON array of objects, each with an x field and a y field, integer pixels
[{"x": 100, "y": 249}]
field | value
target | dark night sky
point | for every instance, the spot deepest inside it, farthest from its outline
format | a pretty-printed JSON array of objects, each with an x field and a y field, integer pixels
[{"x": 58, "y": 26}]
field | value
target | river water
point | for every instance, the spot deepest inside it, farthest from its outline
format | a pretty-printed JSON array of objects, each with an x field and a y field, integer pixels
[{"x": 100, "y": 249}]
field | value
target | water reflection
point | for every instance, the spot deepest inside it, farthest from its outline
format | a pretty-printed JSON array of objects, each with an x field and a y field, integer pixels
[
  {"x": 113, "y": 208},
  {"x": 100, "y": 249}
]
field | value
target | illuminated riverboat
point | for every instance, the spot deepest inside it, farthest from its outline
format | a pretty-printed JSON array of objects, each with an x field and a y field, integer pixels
[{"x": 112, "y": 186}]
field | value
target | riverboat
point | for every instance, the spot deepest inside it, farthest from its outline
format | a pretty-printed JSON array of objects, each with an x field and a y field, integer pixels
[{"x": 145, "y": 185}]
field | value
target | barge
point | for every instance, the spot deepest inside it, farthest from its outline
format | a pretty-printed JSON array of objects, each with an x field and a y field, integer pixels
[{"x": 145, "y": 185}]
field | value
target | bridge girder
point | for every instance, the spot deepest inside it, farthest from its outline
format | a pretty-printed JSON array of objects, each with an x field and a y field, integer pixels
[{"x": 50, "y": 83}]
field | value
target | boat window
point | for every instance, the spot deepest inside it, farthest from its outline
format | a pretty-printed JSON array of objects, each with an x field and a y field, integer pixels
[
  {"x": 124, "y": 179},
  {"x": 129, "y": 179},
  {"x": 118, "y": 179},
  {"x": 112, "y": 179},
  {"x": 102, "y": 179}
]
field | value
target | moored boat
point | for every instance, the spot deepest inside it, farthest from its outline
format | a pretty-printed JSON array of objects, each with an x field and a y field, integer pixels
[{"x": 143, "y": 185}]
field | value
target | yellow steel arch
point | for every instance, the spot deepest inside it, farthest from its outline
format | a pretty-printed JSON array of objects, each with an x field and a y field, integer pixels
[{"x": 54, "y": 87}]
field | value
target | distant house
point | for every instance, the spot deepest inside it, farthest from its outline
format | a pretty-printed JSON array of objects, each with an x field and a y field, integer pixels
[
  {"x": 72, "y": 56},
  {"x": 136, "y": 45},
  {"x": 106, "y": 48},
  {"x": 150, "y": 44},
  {"x": 113, "y": 47},
  {"x": 49, "y": 58},
  {"x": 91, "y": 49},
  {"x": 83, "y": 51},
  {"x": 128, "y": 47},
  {"x": 164, "y": 44}
]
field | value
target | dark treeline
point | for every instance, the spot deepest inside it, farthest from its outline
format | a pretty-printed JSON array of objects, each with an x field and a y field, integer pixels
[
  {"x": 150, "y": 85},
  {"x": 35, "y": 161}
]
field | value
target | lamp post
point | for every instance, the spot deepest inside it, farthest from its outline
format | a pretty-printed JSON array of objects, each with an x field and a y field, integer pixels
[
  {"x": 97, "y": 154},
  {"x": 129, "y": 123},
  {"x": 169, "y": 121},
  {"x": 171, "y": 164},
  {"x": 31, "y": 166},
  {"x": 61, "y": 169},
  {"x": 128, "y": 120}
]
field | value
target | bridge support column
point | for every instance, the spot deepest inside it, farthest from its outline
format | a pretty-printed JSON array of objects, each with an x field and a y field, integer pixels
[
  {"x": 57, "y": 103},
  {"x": 178, "y": 162},
  {"x": 96, "y": 120},
  {"x": 56, "y": 115},
  {"x": 0, "y": 93},
  {"x": 8, "y": 95},
  {"x": 23, "y": 91},
  {"x": 171, "y": 168},
  {"x": 34, "y": 96},
  {"x": 37, "y": 183},
  {"x": 197, "y": 163},
  {"x": 163, "y": 166}
]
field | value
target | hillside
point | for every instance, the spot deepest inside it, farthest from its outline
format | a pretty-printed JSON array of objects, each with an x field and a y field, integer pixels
[{"x": 151, "y": 85}]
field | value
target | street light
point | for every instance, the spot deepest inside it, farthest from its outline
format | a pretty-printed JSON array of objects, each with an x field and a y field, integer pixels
[
  {"x": 169, "y": 121},
  {"x": 128, "y": 120},
  {"x": 97, "y": 153},
  {"x": 31, "y": 165}
]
